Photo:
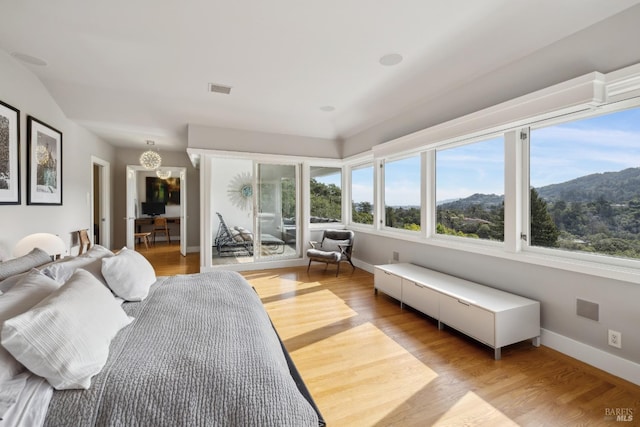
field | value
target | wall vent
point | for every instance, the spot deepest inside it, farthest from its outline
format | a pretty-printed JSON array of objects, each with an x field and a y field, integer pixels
[
  {"x": 219, "y": 88},
  {"x": 588, "y": 309}
]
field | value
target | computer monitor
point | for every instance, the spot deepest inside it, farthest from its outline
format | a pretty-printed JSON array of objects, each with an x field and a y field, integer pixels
[{"x": 153, "y": 208}]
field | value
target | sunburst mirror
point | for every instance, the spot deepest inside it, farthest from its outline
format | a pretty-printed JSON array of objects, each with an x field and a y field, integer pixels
[{"x": 240, "y": 190}]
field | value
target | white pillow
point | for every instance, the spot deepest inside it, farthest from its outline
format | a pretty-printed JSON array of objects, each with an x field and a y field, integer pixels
[
  {"x": 129, "y": 275},
  {"x": 61, "y": 271},
  {"x": 66, "y": 337},
  {"x": 29, "y": 291},
  {"x": 24, "y": 263},
  {"x": 333, "y": 245}
]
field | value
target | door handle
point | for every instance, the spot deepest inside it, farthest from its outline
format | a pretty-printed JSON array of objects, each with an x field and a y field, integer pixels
[{"x": 464, "y": 303}]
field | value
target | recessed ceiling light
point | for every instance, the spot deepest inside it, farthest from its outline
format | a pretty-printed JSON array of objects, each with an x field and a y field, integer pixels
[
  {"x": 328, "y": 108},
  {"x": 29, "y": 59},
  {"x": 390, "y": 59}
]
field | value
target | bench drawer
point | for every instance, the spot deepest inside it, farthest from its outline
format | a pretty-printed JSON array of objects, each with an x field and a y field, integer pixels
[
  {"x": 388, "y": 283},
  {"x": 420, "y": 297},
  {"x": 466, "y": 317}
]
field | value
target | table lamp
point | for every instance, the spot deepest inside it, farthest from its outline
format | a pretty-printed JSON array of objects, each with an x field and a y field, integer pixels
[{"x": 50, "y": 243}]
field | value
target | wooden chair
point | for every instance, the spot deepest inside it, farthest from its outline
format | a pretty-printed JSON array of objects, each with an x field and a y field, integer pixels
[
  {"x": 160, "y": 226},
  {"x": 144, "y": 236},
  {"x": 83, "y": 241}
]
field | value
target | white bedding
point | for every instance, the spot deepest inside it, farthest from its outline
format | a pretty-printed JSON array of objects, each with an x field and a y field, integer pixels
[{"x": 31, "y": 408}]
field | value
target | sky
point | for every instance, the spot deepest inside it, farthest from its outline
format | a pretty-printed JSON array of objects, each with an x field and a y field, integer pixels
[{"x": 559, "y": 153}]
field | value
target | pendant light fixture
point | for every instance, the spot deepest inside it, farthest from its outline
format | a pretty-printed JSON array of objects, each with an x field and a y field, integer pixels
[
  {"x": 150, "y": 159},
  {"x": 163, "y": 174}
]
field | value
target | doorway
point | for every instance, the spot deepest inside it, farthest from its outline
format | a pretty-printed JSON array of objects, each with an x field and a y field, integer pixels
[
  {"x": 255, "y": 209},
  {"x": 100, "y": 206},
  {"x": 174, "y": 206}
]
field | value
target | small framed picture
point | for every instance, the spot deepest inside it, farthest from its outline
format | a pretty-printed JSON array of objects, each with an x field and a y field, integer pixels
[
  {"x": 44, "y": 163},
  {"x": 9, "y": 155}
]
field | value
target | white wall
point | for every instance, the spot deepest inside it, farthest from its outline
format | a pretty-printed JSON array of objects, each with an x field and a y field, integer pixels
[
  {"x": 222, "y": 139},
  {"x": 21, "y": 89}
]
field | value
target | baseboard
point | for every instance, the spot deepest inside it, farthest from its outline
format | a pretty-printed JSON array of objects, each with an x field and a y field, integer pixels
[
  {"x": 250, "y": 266},
  {"x": 608, "y": 362},
  {"x": 363, "y": 265}
]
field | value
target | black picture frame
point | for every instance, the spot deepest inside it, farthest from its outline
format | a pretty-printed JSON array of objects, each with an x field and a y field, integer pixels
[
  {"x": 44, "y": 163},
  {"x": 9, "y": 155}
]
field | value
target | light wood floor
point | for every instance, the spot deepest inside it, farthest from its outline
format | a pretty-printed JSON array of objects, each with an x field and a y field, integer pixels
[{"x": 367, "y": 362}]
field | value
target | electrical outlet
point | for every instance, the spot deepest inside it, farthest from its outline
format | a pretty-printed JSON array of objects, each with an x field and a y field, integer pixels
[
  {"x": 615, "y": 339},
  {"x": 396, "y": 256}
]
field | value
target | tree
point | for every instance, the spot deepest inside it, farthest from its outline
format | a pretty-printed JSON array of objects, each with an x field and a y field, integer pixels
[
  {"x": 543, "y": 230},
  {"x": 326, "y": 200}
]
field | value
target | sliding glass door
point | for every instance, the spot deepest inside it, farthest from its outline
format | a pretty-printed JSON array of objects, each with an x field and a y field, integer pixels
[
  {"x": 276, "y": 216},
  {"x": 255, "y": 211}
]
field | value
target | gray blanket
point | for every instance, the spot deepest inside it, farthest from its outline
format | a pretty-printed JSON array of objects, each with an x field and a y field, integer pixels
[{"x": 201, "y": 352}]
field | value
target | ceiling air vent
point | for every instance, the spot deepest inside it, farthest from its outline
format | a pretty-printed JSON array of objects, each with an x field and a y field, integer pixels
[{"x": 219, "y": 88}]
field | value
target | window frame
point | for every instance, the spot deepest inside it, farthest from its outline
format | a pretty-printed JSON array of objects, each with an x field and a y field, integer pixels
[
  {"x": 516, "y": 196},
  {"x": 584, "y": 259},
  {"x": 382, "y": 196},
  {"x": 348, "y": 170},
  {"x": 341, "y": 221},
  {"x": 307, "y": 195},
  {"x": 462, "y": 143}
]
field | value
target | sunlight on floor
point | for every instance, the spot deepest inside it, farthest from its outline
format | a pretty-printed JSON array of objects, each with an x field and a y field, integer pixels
[
  {"x": 374, "y": 369},
  {"x": 306, "y": 313},
  {"x": 472, "y": 410},
  {"x": 267, "y": 287}
]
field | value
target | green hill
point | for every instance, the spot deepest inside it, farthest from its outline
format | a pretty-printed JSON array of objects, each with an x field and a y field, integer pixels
[
  {"x": 593, "y": 213},
  {"x": 615, "y": 187}
]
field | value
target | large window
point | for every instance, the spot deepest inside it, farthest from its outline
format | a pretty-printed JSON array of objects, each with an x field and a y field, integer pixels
[
  {"x": 326, "y": 194},
  {"x": 402, "y": 193},
  {"x": 585, "y": 185},
  {"x": 362, "y": 195},
  {"x": 470, "y": 190}
]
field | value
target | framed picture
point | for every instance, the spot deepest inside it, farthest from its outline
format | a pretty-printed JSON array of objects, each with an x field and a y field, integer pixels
[
  {"x": 9, "y": 155},
  {"x": 44, "y": 163},
  {"x": 166, "y": 190}
]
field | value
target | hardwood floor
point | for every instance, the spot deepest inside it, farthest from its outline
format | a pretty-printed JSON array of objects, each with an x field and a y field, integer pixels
[
  {"x": 367, "y": 362},
  {"x": 167, "y": 261}
]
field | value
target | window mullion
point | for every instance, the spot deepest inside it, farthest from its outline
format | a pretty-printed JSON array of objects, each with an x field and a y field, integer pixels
[
  {"x": 429, "y": 181},
  {"x": 514, "y": 192}
]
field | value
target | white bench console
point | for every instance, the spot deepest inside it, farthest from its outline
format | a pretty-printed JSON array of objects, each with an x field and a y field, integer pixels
[{"x": 491, "y": 316}]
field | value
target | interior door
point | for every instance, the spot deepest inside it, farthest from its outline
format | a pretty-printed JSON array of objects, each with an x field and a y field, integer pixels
[
  {"x": 183, "y": 212},
  {"x": 132, "y": 201},
  {"x": 276, "y": 214}
]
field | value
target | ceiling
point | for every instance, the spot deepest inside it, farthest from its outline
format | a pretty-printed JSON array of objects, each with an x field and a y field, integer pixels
[{"x": 130, "y": 71}]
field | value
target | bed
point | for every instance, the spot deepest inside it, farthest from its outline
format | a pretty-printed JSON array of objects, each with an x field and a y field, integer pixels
[{"x": 201, "y": 351}]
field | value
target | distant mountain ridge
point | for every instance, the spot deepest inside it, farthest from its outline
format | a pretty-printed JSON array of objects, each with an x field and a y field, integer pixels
[{"x": 614, "y": 187}]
